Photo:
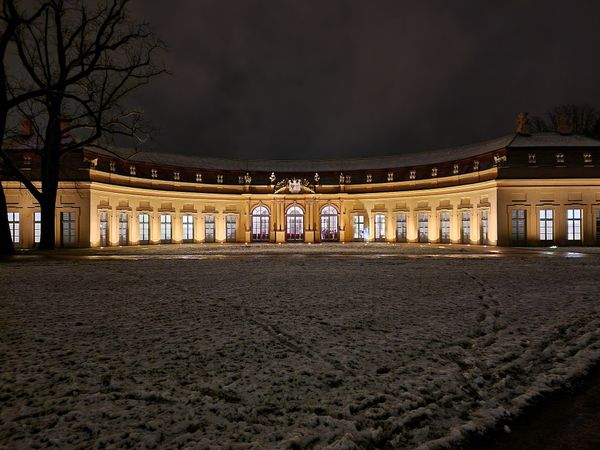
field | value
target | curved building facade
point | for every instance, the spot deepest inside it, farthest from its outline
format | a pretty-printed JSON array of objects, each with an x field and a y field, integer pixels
[{"x": 539, "y": 189}]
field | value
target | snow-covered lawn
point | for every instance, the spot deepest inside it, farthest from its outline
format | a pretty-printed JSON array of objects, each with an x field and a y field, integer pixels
[{"x": 286, "y": 347}]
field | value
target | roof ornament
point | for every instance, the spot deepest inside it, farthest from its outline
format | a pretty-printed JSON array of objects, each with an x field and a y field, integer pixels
[
  {"x": 317, "y": 177},
  {"x": 247, "y": 178},
  {"x": 294, "y": 186},
  {"x": 272, "y": 178},
  {"x": 523, "y": 124}
]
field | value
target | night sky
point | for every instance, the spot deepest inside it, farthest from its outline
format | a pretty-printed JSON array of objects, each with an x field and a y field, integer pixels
[{"x": 343, "y": 78}]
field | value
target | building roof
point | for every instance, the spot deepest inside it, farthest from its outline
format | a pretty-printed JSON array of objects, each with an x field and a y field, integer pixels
[{"x": 370, "y": 163}]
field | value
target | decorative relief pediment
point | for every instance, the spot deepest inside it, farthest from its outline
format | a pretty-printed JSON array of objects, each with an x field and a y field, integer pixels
[{"x": 294, "y": 186}]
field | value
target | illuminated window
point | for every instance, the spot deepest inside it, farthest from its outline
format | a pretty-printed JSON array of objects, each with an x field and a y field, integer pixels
[
  {"x": 188, "y": 228},
  {"x": 465, "y": 234},
  {"x": 401, "y": 227},
  {"x": 445, "y": 227},
  {"x": 598, "y": 227},
  {"x": 329, "y": 223},
  {"x": 294, "y": 218},
  {"x": 485, "y": 215},
  {"x": 546, "y": 225},
  {"x": 358, "y": 226},
  {"x": 574, "y": 224},
  {"x": 166, "y": 224},
  {"x": 423, "y": 227},
  {"x": 37, "y": 227},
  {"x": 14, "y": 223},
  {"x": 260, "y": 224},
  {"x": 68, "y": 229},
  {"x": 230, "y": 229},
  {"x": 379, "y": 227},
  {"x": 123, "y": 229},
  {"x": 144, "y": 220},
  {"x": 209, "y": 228},
  {"x": 519, "y": 226},
  {"x": 103, "y": 224}
]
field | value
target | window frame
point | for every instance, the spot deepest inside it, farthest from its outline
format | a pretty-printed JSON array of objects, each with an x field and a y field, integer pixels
[
  {"x": 401, "y": 236},
  {"x": 187, "y": 225},
  {"x": 210, "y": 224},
  {"x": 445, "y": 227},
  {"x": 144, "y": 228},
  {"x": 330, "y": 224},
  {"x": 14, "y": 224},
  {"x": 103, "y": 228},
  {"x": 518, "y": 224},
  {"x": 575, "y": 225},
  {"x": 545, "y": 232},
  {"x": 68, "y": 229},
  {"x": 465, "y": 226},
  {"x": 379, "y": 222},
  {"x": 292, "y": 220},
  {"x": 230, "y": 224},
  {"x": 166, "y": 228},
  {"x": 123, "y": 226},
  {"x": 260, "y": 224},
  {"x": 423, "y": 237},
  {"x": 358, "y": 227}
]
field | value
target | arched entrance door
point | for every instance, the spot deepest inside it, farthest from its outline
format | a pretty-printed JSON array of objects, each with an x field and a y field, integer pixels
[
  {"x": 260, "y": 224},
  {"x": 294, "y": 219},
  {"x": 329, "y": 224}
]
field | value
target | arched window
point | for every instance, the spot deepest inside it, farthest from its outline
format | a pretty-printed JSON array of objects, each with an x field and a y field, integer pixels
[
  {"x": 260, "y": 224},
  {"x": 294, "y": 224},
  {"x": 330, "y": 224}
]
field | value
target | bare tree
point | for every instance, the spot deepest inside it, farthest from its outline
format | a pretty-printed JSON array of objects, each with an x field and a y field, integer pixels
[
  {"x": 86, "y": 60},
  {"x": 10, "y": 22},
  {"x": 576, "y": 119}
]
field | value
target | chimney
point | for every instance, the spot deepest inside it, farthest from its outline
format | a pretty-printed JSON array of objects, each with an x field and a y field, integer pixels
[
  {"x": 64, "y": 124},
  {"x": 565, "y": 126},
  {"x": 523, "y": 124},
  {"x": 26, "y": 126}
]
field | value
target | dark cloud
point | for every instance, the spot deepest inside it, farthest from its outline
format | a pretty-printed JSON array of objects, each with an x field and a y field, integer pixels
[{"x": 331, "y": 78}]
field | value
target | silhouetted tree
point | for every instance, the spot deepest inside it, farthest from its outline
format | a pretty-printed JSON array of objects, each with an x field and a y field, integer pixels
[
  {"x": 86, "y": 60},
  {"x": 581, "y": 119},
  {"x": 10, "y": 22}
]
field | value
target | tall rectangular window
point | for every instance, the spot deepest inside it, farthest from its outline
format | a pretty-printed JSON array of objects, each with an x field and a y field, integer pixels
[
  {"x": 574, "y": 224},
  {"x": 445, "y": 227},
  {"x": 358, "y": 228},
  {"x": 401, "y": 227},
  {"x": 465, "y": 229},
  {"x": 230, "y": 229},
  {"x": 14, "y": 223},
  {"x": 423, "y": 227},
  {"x": 67, "y": 221},
  {"x": 209, "y": 228},
  {"x": 485, "y": 226},
  {"x": 598, "y": 227},
  {"x": 546, "y": 225},
  {"x": 103, "y": 224},
  {"x": 144, "y": 221},
  {"x": 123, "y": 229},
  {"x": 519, "y": 226},
  {"x": 379, "y": 227},
  {"x": 166, "y": 223},
  {"x": 37, "y": 227},
  {"x": 188, "y": 228}
]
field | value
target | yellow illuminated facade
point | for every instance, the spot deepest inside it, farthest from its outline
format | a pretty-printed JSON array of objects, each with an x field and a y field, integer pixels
[{"x": 517, "y": 190}]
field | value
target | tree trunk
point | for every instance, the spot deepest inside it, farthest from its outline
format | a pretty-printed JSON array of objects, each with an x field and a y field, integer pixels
[
  {"x": 50, "y": 174},
  {"x": 6, "y": 244}
]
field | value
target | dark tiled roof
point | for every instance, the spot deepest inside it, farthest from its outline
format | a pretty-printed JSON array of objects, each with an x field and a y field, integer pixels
[
  {"x": 374, "y": 163},
  {"x": 553, "y": 140}
]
